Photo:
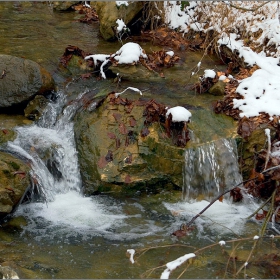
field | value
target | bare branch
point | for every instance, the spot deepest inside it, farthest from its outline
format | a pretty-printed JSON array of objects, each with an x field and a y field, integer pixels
[{"x": 246, "y": 9}]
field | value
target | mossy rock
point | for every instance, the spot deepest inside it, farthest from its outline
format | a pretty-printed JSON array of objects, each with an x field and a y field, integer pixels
[
  {"x": 113, "y": 154},
  {"x": 7, "y": 135},
  {"x": 35, "y": 108},
  {"x": 218, "y": 89},
  {"x": 249, "y": 147},
  {"x": 14, "y": 181}
]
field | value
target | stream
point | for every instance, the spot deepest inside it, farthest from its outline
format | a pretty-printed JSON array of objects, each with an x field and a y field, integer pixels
[{"x": 67, "y": 235}]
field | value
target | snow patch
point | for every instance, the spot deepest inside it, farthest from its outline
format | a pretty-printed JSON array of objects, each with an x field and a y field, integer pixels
[{"x": 179, "y": 114}]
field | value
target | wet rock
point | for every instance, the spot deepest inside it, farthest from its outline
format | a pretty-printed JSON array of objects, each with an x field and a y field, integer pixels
[
  {"x": 6, "y": 135},
  {"x": 249, "y": 147},
  {"x": 14, "y": 181},
  {"x": 122, "y": 147},
  {"x": 36, "y": 107},
  {"x": 63, "y": 5},
  {"x": 133, "y": 72},
  {"x": 73, "y": 62},
  {"x": 109, "y": 12},
  {"x": 7, "y": 273},
  {"x": 20, "y": 80},
  {"x": 218, "y": 89}
]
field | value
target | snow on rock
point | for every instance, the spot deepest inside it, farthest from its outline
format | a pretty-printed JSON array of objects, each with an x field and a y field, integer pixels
[
  {"x": 170, "y": 53},
  {"x": 119, "y": 3},
  {"x": 261, "y": 91},
  {"x": 174, "y": 264},
  {"x": 209, "y": 73},
  {"x": 121, "y": 25},
  {"x": 129, "y": 53},
  {"x": 97, "y": 57},
  {"x": 179, "y": 114}
]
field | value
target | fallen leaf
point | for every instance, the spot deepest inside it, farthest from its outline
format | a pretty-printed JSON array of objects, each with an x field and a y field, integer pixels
[
  {"x": 127, "y": 179},
  {"x": 122, "y": 128},
  {"x": 111, "y": 135},
  {"x": 102, "y": 162},
  {"x": 145, "y": 132}
]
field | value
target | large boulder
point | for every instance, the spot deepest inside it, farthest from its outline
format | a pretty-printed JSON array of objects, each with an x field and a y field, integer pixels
[
  {"x": 123, "y": 146},
  {"x": 109, "y": 12},
  {"x": 20, "y": 80},
  {"x": 14, "y": 181}
]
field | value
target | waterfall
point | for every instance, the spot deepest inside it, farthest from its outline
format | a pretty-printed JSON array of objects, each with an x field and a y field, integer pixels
[
  {"x": 210, "y": 169},
  {"x": 50, "y": 148}
]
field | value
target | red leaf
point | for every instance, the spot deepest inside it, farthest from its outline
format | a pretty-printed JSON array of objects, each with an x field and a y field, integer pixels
[
  {"x": 102, "y": 162},
  {"x": 122, "y": 128},
  {"x": 111, "y": 135},
  {"x": 86, "y": 76},
  {"x": 127, "y": 179},
  {"x": 117, "y": 116},
  {"x": 145, "y": 131},
  {"x": 132, "y": 122}
]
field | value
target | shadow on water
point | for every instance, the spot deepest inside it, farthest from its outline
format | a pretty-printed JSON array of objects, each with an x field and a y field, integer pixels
[{"x": 87, "y": 237}]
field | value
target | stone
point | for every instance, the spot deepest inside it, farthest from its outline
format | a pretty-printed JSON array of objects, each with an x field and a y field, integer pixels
[
  {"x": 14, "y": 181},
  {"x": 118, "y": 152},
  {"x": 7, "y": 273},
  {"x": 218, "y": 89},
  {"x": 109, "y": 12},
  {"x": 36, "y": 107},
  {"x": 133, "y": 72},
  {"x": 22, "y": 79},
  {"x": 63, "y": 5},
  {"x": 250, "y": 146}
]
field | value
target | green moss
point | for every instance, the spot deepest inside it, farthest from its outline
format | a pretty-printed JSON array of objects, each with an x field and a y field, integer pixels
[
  {"x": 7, "y": 173},
  {"x": 14, "y": 165}
]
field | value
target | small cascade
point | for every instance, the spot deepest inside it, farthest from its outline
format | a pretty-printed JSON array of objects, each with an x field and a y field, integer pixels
[
  {"x": 210, "y": 169},
  {"x": 58, "y": 208},
  {"x": 50, "y": 148}
]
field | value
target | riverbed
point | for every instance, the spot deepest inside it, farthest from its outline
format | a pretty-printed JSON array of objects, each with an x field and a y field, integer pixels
[{"x": 92, "y": 242}]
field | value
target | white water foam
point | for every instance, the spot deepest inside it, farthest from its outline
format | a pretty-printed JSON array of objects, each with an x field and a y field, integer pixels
[
  {"x": 220, "y": 218},
  {"x": 66, "y": 213}
]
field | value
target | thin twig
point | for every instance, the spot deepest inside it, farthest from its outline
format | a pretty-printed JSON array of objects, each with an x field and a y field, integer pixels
[
  {"x": 269, "y": 214},
  {"x": 246, "y": 263},
  {"x": 247, "y": 9},
  {"x": 261, "y": 207},
  {"x": 225, "y": 192}
]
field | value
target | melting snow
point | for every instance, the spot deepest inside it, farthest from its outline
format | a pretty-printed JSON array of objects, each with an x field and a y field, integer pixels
[
  {"x": 129, "y": 53},
  {"x": 179, "y": 114}
]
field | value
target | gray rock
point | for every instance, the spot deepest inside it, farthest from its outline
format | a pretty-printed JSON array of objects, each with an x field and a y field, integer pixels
[{"x": 21, "y": 79}]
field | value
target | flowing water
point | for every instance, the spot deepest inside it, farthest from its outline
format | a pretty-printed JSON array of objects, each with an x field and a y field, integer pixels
[
  {"x": 63, "y": 234},
  {"x": 211, "y": 169}
]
